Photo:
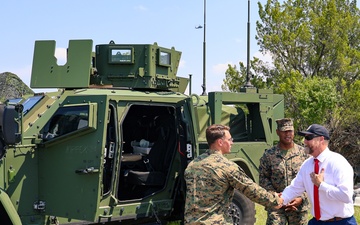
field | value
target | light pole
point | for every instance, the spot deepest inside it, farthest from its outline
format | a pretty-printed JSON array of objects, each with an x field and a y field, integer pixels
[{"x": 204, "y": 51}]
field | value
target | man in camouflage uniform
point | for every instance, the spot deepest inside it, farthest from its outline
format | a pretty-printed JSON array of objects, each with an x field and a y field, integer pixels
[
  {"x": 278, "y": 166},
  {"x": 211, "y": 179}
]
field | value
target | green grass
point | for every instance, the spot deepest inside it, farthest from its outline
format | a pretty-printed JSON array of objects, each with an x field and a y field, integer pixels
[{"x": 261, "y": 214}]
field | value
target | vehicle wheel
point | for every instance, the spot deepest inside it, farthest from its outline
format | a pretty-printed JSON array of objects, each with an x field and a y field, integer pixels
[{"x": 242, "y": 210}]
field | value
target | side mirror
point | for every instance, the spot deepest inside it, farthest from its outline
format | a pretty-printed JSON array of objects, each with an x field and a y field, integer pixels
[
  {"x": 9, "y": 128},
  {"x": 2, "y": 146}
]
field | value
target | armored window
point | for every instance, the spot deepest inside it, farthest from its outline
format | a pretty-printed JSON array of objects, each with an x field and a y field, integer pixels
[
  {"x": 14, "y": 100},
  {"x": 164, "y": 58},
  {"x": 66, "y": 120},
  {"x": 31, "y": 102},
  {"x": 28, "y": 104},
  {"x": 119, "y": 55}
]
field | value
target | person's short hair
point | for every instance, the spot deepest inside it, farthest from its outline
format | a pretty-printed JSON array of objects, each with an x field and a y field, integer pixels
[
  {"x": 215, "y": 132},
  {"x": 285, "y": 124}
]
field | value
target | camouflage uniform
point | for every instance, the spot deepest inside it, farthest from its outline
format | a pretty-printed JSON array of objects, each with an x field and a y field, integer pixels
[
  {"x": 211, "y": 180},
  {"x": 277, "y": 168}
]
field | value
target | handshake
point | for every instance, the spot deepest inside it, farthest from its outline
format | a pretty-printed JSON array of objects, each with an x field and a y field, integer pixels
[{"x": 291, "y": 206}]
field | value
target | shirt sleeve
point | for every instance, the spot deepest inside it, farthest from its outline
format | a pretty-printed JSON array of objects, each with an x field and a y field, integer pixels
[
  {"x": 304, "y": 197},
  {"x": 240, "y": 181},
  {"x": 341, "y": 190},
  {"x": 295, "y": 189}
]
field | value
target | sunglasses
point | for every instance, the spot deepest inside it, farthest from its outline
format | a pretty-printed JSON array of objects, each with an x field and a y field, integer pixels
[{"x": 310, "y": 137}]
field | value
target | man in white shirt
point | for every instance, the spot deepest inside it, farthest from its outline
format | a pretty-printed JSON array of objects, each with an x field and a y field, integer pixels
[{"x": 333, "y": 183}]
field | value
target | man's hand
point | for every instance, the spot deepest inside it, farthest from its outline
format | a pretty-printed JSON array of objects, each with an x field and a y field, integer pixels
[
  {"x": 280, "y": 202},
  {"x": 292, "y": 206},
  {"x": 317, "y": 178}
]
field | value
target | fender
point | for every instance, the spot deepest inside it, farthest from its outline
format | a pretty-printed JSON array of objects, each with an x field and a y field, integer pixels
[{"x": 10, "y": 210}]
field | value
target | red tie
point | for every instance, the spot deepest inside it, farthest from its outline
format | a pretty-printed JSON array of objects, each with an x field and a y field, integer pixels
[{"x": 316, "y": 192}]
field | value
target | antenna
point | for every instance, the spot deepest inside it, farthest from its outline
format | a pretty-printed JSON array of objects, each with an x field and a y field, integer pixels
[
  {"x": 248, "y": 83},
  {"x": 204, "y": 54}
]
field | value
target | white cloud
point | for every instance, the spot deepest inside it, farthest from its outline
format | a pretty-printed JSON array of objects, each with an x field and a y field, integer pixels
[
  {"x": 60, "y": 54},
  {"x": 215, "y": 77},
  {"x": 182, "y": 64},
  {"x": 267, "y": 58},
  {"x": 221, "y": 68},
  {"x": 141, "y": 8},
  {"x": 24, "y": 74}
]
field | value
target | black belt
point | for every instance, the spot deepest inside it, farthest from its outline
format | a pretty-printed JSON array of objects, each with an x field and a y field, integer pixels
[{"x": 333, "y": 219}]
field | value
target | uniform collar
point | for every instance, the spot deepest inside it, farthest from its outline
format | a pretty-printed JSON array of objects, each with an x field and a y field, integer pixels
[
  {"x": 213, "y": 151},
  {"x": 291, "y": 151}
]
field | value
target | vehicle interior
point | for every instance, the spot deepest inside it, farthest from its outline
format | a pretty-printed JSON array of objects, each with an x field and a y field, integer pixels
[{"x": 149, "y": 137}]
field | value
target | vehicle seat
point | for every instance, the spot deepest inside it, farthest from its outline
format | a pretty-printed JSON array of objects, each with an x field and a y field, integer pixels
[{"x": 156, "y": 163}]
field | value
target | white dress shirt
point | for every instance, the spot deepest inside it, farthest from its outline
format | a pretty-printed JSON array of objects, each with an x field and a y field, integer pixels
[{"x": 335, "y": 192}]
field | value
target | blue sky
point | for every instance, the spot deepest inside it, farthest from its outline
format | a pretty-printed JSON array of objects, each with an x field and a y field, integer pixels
[{"x": 169, "y": 23}]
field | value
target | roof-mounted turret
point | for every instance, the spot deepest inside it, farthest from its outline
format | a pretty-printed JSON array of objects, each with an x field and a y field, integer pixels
[{"x": 112, "y": 65}]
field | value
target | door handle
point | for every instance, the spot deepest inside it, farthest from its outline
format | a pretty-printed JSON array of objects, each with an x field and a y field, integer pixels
[{"x": 88, "y": 170}]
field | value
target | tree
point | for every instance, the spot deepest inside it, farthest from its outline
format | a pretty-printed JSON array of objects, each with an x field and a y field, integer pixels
[
  {"x": 11, "y": 86},
  {"x": 309, "y": 100},
  {"x": 345, "y": 124},
  {"x": 315, "y": 50},
  {"x": 260, "y": 74},
  {"x": 315, "y": 38}
]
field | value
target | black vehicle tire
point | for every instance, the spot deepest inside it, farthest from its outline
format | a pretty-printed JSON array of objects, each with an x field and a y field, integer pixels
[{"x": 242, "y": 210}]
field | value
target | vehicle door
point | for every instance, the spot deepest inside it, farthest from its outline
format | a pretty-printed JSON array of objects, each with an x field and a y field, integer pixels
[{"x": 71, "y": 158}]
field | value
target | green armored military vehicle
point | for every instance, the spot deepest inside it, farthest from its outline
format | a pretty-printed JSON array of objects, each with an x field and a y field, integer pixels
[{"x": 111, "y": 145}]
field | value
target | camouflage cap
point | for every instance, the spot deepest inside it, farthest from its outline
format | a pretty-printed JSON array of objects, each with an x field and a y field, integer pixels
[{"x": 285, "y": 124}]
